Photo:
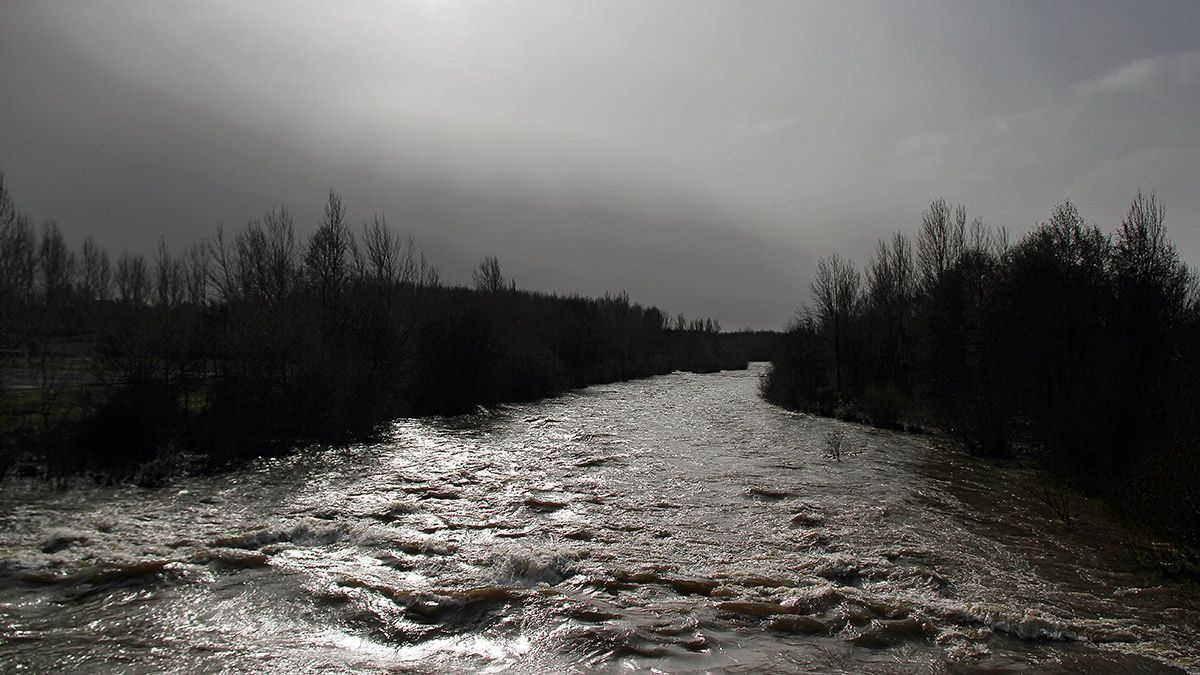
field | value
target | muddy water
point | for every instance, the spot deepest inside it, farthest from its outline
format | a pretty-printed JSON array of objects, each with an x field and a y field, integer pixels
[{"x": 677, "y": 523}]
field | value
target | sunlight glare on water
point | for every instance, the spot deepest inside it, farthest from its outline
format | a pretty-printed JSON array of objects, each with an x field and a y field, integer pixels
[{"x": 676, "y": 523}]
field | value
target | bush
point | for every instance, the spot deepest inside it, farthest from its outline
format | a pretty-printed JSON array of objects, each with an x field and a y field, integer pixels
[{"x": 131, "y": 427}]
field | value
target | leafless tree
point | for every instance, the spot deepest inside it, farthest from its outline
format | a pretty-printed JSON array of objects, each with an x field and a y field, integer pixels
[
  {"x": 197, "y": 275},
  {"x": 941, "y": 241},
  {"x": 835, "y": 445},
  {"x": 836, "y": 292},
  {"x": 251, "y": 271},
  {"x": 95, "y": 272},
  {"x": 387, "y": 259},
  {"x": 428, "y": 275},
  {"x": 891, "y": 281},
  {"x": 169, "y": 287},
  {"x": 487, "y": 275},
  {"x": 18, "y": 261},
  {"x": 221, "y": 270},
  {"x": 1056, "y": 497},
  {"x": 281, "y": 254},
  {"x": 891, "y": 276},
  {"x": 8, "y": 211},
  {"x": 56, "y": 263},
  {"x": 132, "y": 279},
  {"x": 1147, "y": 264},
  {"x": 261, "y": 263},
  {"x": 326, "y": 260}
]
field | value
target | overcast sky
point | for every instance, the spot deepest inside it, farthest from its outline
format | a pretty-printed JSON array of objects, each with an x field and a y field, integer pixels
[{"x": 700, "y": 155}]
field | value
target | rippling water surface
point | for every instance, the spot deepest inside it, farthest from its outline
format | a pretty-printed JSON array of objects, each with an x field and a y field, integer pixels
[{"x": 677, "y": 523}]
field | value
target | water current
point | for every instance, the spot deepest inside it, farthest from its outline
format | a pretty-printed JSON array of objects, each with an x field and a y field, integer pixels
[{"x": 675, "y": 524}]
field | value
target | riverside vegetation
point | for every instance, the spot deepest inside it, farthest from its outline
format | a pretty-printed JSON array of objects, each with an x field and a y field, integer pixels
[
  {"x": 254, "y": 342},
  {"x": 1072, "y": 347}
]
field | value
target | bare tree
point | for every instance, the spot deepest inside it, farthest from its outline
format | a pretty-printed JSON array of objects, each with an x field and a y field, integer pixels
[
  {"x": 941, "y": 241},
  {"x": 196, "y": 275},
  {"x": 1147, "y": 266},
  {"x": 262, "y": 261},
  {"x": 132, "y": 279},
  {"x": 487, "y": 275},
  {"x": 428, "y": 276},
  {"x": 280, "y": 270},
  {"x": 835, "y": 444},
  {"x": 1054, "y": 495},
  {"x": 95, "y": 272},
  {"x": 57, "y": 265},
  {"x": 168, "y": 277},
  {"x": 221, "y": 271},
  {"x": 18, "y": 261},
  {"x": 8, "y": 211},
  {"x": 891, "y": 276},
  {"x": 251, "y": 272},
  {"x": 836, "y": 291},
  {"x": 891, "y": 282},
  {"x": 387, "y": 259},
  {"x": 326, "y": 260}
]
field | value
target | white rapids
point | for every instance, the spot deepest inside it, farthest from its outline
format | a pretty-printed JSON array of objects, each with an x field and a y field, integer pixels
[{"x": 676, "y": 524}]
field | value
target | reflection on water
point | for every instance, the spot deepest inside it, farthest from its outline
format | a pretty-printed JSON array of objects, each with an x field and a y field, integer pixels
[{"x": 676, "y": 523}]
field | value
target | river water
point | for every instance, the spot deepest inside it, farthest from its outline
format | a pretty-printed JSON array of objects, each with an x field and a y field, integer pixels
[{"x": 677, "y": 523}]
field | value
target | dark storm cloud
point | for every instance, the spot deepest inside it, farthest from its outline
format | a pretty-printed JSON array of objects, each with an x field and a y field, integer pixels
[{"x": 699, "y": 155}]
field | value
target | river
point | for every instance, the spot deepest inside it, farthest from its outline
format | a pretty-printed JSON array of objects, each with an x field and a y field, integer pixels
[{"x": 677, "y": 523}]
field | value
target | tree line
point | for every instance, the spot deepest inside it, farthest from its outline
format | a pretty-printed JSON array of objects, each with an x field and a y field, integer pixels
[
  {"x": 1073, "y": 346},
  {"x": 256, "y": 340}
]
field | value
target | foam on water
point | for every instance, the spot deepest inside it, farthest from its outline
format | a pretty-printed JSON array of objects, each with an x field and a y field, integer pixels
[{"x": 676, "y": 523}]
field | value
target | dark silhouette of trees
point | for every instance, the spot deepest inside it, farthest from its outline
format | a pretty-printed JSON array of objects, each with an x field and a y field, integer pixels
[
  {"x": 95, "y": 272},
  {"x": 487, "y": 276},
  {"x": 132, "y": 280},
  {"x": 326, "y": 260},
  {"x": 18, "y": 260},
  {"x": 836, "y": 292},
  {"x": 1078, "y": 348},
  {"x": 941, "y": 240},
  {"x": 258, "y": 340},
  {"x": 888, "y": 306}
]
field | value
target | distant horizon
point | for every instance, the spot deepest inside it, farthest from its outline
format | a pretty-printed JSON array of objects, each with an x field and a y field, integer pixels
[
  {"x": 466, "y": 267},
  {"x": 701, "y": 157}
]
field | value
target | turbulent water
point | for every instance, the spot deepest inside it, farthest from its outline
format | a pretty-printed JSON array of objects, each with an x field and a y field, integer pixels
[{"x": 677, "y": 523}]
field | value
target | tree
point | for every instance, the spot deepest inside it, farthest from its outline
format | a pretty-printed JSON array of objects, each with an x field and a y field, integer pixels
[
  {"x": 57, "y": 266},
  {"x": 197, "y": 274},
  {"x": 169, "y": 287},
  {"x": 387, "y": 259},
  {"x": 1153, "y": 292},
  {"x": 891, "y": 291},
  {"x": 1050, "y": 328},
  {"x": 95, "y": 272},
  {"x": 428, "y": 275},
  {"x": 1148, "y": 272},
  {"x": 941, "y": 240},
  {"x": 131, "y": 279},
  {"x": 487, "y": 276},
  {"x": 260, "y": 265},
  {"x": 326, "y": 260},
  {"x": 18, "y": 262},
  {"x": 8, "y": 211},
  {"x": 280, "y": 275},
  {"x": 836, "y": 292}
]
